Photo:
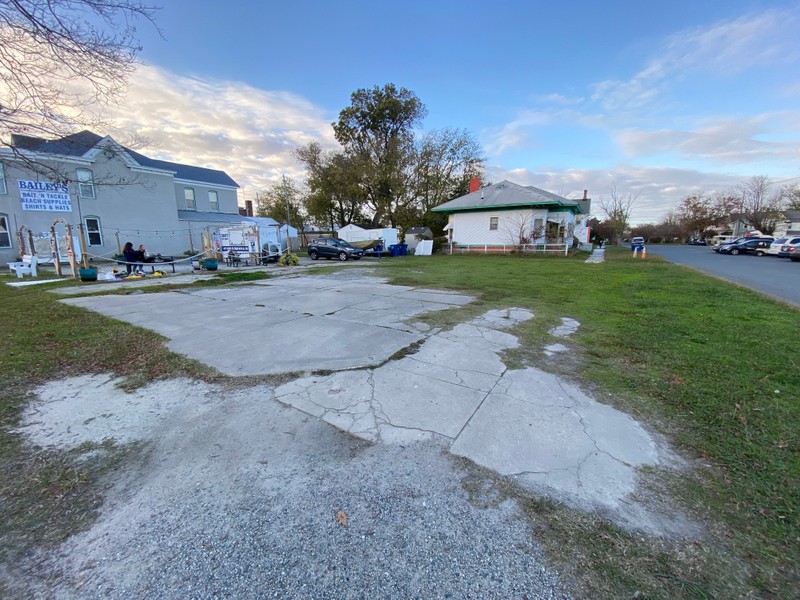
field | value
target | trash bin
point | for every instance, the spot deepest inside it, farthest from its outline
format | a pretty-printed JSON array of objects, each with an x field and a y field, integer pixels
[
  {"x": 394, "y": 249},
  {"x": 403, "y": 249}
]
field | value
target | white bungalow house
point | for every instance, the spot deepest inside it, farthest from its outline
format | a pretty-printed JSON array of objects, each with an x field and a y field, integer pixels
[
  {"x": 505, "y": 216},
  {"x": 789, "y": 224},
  {"x": 116, "y": 194}
]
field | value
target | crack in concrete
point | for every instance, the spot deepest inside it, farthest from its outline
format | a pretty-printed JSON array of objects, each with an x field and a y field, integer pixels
[
  {"x": 454, "y": 371},
  {"x": 594, "y": 442},
  {"x": 477, "y": 408}
]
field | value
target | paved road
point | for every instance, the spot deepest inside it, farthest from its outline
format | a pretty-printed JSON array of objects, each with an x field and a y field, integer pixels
[{"x": 776, "y": 277}]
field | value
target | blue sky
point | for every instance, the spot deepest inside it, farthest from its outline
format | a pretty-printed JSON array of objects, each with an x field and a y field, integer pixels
[{"x": 657, "y": 99}]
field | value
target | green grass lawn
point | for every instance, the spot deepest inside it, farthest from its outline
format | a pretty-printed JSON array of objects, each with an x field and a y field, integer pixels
[{"x": 711, "y": 365}]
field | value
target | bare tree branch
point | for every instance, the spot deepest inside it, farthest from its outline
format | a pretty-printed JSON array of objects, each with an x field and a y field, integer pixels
[
  {"x": 618, "y": 210},
  {"x": 61, "y": 58}
]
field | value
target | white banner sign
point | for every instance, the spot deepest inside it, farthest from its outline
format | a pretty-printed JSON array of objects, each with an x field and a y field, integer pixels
[{"x": 44, "y": 195}]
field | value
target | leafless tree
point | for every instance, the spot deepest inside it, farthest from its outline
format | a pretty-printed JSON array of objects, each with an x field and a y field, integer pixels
[
  {"x": 516, "y": 228},
  {"x": 759, "y": 207},
  {"x": 790, "y": 197},
  {"x": 618, "y": 210},
  {"x": 59, "y": 59}
]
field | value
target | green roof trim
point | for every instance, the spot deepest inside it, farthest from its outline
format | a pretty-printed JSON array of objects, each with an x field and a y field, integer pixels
[{"x": 545, "y": 204}]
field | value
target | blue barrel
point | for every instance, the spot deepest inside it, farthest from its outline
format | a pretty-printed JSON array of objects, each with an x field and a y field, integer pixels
[
  {"x": 394, "y": 250},
  {"x": 403, "y": 249}
]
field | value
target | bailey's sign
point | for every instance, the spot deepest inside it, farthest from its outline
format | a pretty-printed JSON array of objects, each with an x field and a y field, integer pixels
[{"x": 44, "y": 195}]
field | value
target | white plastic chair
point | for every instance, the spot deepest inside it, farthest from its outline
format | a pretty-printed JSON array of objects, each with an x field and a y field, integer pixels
[{"x": 29, "y": 269}]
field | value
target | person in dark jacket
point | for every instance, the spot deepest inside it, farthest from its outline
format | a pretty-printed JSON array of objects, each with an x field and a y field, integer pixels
[{"x": 131, "y": 257}]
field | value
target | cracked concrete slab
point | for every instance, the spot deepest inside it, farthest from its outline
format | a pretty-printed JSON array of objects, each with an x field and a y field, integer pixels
[
  {"x": 288, "y": 324},
  {"x": 452, "y": 386},
  {"x": 567, "y": 328}
]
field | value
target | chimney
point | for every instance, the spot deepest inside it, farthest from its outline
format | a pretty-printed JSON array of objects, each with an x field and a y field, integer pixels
[
  {"x": 248, "y": 205},
  {"x": 474, "y": 184},
  {"x": 585, "y": 194}
]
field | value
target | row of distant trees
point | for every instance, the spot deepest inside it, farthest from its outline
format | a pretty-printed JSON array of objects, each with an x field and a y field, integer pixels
[
  {"x": 384, "y": 170},
  {"x": 757, "y": 202}
]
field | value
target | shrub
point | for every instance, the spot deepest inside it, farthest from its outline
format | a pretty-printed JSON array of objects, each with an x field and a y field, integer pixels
[{"x": 289, "y": 260}]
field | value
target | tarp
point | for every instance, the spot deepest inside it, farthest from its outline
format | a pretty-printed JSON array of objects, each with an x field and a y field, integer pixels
[{"x": 365, "y": 244}]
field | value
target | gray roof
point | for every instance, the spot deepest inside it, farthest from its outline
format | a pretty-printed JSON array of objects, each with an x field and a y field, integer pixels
[
  {"x": 508, "y": 195},
  {"x": 224, "y": 218},
  {"x": 78, "y": 144},
  {"x": 792, "y": 215}
]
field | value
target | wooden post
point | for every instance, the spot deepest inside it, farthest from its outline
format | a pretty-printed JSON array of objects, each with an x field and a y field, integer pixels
[
  {"x": 54, "y": 250},
  {"x": 119, "y": 246},
  {"x": 30, "y": 240},
  {"x": 82, "y": 240},
  {"x": 21, "y": 242},
  {"x": 71, "y": 252},
  {"x": 191, "y": 242}
]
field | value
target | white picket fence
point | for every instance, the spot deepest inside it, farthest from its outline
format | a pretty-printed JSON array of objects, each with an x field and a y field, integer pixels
[{"x": 506, "y": 248}]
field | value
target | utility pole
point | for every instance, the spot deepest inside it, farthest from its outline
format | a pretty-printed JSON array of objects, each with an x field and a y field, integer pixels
[{"x": 288, "y": 214}]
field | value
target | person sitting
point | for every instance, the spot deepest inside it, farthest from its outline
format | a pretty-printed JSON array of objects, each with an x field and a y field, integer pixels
[
  {"x": 143, "y": 255},
  {"x": 131, "y": 257}
]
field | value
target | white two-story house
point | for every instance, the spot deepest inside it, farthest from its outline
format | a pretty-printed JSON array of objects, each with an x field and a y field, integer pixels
[{"x": 116, "y": 194}]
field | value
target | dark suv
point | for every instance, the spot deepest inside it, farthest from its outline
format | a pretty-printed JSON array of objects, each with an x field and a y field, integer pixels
[
  {"x": 757, "y": 246},
  {"x": 333, "y": 248}
]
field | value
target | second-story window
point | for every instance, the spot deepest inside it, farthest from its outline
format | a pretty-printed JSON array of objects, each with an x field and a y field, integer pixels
[
  {"x": 3, "y": 188},
  {"x": 213, "y": 200},
  {"x": 188, "y": 194},
  {"x": 85, "y": 183}
]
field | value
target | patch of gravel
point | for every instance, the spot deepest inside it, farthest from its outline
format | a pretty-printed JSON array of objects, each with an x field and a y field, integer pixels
[{"x": 239, "y": 498}]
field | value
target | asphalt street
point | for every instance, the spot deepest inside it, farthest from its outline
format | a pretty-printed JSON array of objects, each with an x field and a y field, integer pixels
[{"x": 770, "y": 275}]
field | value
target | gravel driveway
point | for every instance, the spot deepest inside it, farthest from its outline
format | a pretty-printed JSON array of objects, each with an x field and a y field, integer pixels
[{"x": 242, "y": 497}]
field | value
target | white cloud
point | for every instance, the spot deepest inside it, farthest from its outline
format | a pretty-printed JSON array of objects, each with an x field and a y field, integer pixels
[
  {"x": 558, "y": 99},
  {"x": 519, "y": 132},
  {"x": 722, "y": 140},
  {"x": 660, "y": 189},
  {"x": 247, "y": 132},
  {"x": 727, "y": 48}
]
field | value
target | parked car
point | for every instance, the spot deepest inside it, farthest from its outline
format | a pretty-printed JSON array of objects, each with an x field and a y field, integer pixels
[
  {"x": 637, "y": 243},
  {"x": 333, "y": 248},
  {"x": 756, "y": 246},
  {"x": 726, "y": 248},
  {"x": 696, "y": 242},
  {"x": 791, "y": 251},
  {"x": 775, "y": 247},
  {"x": 729, "y": 242}
]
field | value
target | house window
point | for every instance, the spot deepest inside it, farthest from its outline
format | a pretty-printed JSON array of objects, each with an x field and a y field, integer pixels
[
  {"x": 3, "y": 188},
  {"x": 93, "y": 233},
  {"x": 5, "y": 235},
  {"x": 213, "y": 200},
  {"x": 538, "y": 228},
  {"x": 493, "y": 223},
  {"x": 188, "y": 194},
  {"x": 85, "y": 183}
]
